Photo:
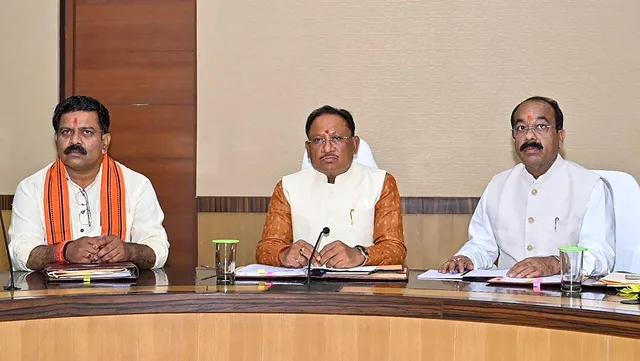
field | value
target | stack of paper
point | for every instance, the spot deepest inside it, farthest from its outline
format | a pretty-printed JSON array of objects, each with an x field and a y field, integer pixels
[
  {"x": 264, "y": 271},
  {"x": 260, "y": 270},
  {"x": 433, "y": 274},
  {"x": 555, "y": 279},
  {"x": 362, "y": 270},
  {"x": 495, "y": 275},
  {"x": 91, "y": 271},
  {"x": 620, "y": 279}
]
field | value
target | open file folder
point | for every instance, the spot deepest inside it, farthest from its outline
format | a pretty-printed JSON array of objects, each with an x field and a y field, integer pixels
[
  {"x": 382, "y": 273},
  {"x": 90, "y": 271}
]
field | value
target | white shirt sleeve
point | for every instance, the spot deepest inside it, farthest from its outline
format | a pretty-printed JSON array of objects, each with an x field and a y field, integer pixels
[
  {"x": 26, "y": 231},
  {"x": 481, "y": 248},
  {"x": 147, "y": 226},
  {"x": 598, "y": 232}
]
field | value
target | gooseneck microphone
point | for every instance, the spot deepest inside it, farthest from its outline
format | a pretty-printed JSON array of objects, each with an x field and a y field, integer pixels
[
  {"x": 12, "y": 285},
  {"x": 325, "y": 232}
]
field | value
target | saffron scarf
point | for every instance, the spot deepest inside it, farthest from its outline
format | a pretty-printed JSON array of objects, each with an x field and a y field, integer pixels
[{"x": 57, "y": 216}]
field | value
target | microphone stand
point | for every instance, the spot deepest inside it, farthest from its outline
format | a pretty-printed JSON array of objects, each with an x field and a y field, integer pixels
[
  {"x": 12, "y": 284},
  {"x": 325, "y": 232},
  {"x": 308, "y": 285}
]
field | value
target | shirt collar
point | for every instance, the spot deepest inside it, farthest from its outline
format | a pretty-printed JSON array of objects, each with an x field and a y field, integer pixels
[
  {"x": 95, "y": 180},
  {"x": 341, "y": 178},
  {"x": 531, "y": 180}
]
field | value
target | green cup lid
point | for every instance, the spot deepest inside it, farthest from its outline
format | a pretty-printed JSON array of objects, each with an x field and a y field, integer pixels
[
  {"x": 226, "y": 241},
  {"x": 572, "y": 248}
]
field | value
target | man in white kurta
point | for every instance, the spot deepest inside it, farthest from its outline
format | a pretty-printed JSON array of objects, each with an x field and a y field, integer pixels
[
  {"x": 144, "y": 215},
  {"x": 526, "y": 213},
  {"x": 360, "y": 205},
  {"x": 85, "y": 207}
]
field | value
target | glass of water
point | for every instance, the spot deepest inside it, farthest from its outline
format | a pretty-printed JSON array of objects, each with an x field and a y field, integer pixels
[
  {"x": 225, "y": 260},
  {"x": 571, "y": 268}
]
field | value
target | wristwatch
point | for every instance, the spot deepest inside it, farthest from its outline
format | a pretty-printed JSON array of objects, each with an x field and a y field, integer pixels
[{"x": 364, "y": 253}]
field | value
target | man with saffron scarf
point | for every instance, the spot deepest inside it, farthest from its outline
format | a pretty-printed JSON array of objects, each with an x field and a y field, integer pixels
[{"x": 85, "y": 207}]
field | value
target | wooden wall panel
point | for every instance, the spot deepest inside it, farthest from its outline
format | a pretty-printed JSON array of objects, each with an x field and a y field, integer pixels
[
  {"x": 138, "y": 58},
  {"x": 136, "y": 77},
  {"x": 164, "y": 126},
  {"x": 247, "y": 227},
  {"x": 145, "y": 25},
  {"x": 430, "y": 239},
  {"x": 283, "y": 337},
  {"x": 6, "y": 201},
  {"x": 4, "y": 261},
  {"x": 410, "y": 205},
  {"x": 166, "y": 173},
  {"x": 181, "y": 228}
]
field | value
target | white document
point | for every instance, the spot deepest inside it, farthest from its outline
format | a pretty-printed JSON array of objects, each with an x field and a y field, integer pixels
[
  {"x": 487, "y": 273},
  {"x": 361, "y": 269},
  {"x": 433, "y": 274},
  {"x": 543, "y": 280},
  {"x": 260, "y": 270}
]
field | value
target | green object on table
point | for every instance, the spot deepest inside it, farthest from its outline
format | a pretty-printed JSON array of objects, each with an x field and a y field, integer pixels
[{"x": 225, "y": 241}]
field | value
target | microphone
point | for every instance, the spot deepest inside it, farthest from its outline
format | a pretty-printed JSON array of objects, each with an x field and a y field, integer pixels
[
  {"x": 311, "y": 287},
  {"x": 325, "y": 232},
  {"x": 12, "y": 285}
]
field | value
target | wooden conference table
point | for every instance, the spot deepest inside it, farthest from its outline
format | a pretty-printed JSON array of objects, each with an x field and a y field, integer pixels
[{"x": 180, "y": 314}]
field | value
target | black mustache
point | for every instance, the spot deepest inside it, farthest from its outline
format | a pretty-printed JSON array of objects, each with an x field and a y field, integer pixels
[
  {"x": 75, "y": 148},
  {"x": 530, "y": 145}
]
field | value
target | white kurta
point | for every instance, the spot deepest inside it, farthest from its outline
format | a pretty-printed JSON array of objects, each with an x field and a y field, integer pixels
[
  {"x": 520, "y": 217},
  {"x": 347, "y": 207},
  {"x": 144, "y": 215}
]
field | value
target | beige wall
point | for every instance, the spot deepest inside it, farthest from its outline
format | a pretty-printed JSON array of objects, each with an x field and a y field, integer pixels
[
  {"x": 431, "y": 85},
  {"x": 28, "y": 87}
]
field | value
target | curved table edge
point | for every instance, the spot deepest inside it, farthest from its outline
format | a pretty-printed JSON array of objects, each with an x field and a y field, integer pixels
[{"x": 508, "y": 313}]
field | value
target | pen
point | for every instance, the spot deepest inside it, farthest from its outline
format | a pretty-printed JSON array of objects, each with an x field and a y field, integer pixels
[
  {"x": 456, "y": 271},
  {"x": 555, "y": 224},
  {"x": 351, "y": 215}
]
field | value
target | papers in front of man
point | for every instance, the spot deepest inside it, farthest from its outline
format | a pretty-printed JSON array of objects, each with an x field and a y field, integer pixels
[
  {"x": 91, "y": 271},
  {"x": 261, "y": 270},
  {"x": 264, "y": 271},
  {"x": 433, "y": 274},
  {"x": 496, "y": 276},
  {"x": 549, "y": 280},
  {"x": 620, "y": 279}
]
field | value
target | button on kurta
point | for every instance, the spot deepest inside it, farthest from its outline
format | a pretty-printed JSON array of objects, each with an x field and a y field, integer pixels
[
  {"x": 534, "y": 191},
  {"x": 529, "y": 248},
  {"x": 531, "y": 220}
]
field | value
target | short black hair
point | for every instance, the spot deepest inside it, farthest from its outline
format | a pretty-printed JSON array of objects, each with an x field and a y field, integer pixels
[
  {"x": 81, "y": 103},
  {"x": 554, "y": 104},
  {"x": 328, "y": 109}
]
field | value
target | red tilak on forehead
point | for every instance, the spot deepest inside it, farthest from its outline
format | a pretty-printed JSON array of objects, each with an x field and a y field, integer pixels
[
  {"x": 529, "y": 116},
  {"x": 326, "y": 132},
  {"x": 75, "y": 122}
]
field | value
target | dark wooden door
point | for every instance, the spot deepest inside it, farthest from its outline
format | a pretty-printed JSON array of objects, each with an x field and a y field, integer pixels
[{"x": 138, "y": 57}]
